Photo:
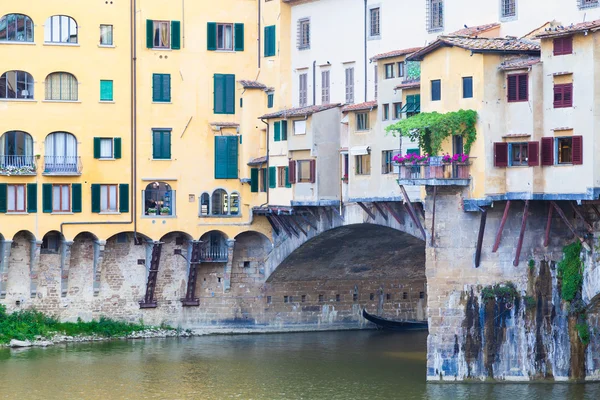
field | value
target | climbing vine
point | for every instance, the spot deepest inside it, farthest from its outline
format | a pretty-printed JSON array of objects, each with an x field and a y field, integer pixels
[
  {"x": 506, "y": 293},
  {"x": 431, "y": 129},
  {"x": 570, "y": 271}
]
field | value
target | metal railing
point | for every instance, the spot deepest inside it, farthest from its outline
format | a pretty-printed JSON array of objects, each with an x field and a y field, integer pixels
[
  {"x": 444, "y": 171},
  {"x": 62, "y": 165},
  {"x": 17, "y": 165},
  {"x": 214, "y": 253}
]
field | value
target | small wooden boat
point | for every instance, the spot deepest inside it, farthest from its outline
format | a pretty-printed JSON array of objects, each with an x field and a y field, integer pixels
[{"x": 384, "y": 323}]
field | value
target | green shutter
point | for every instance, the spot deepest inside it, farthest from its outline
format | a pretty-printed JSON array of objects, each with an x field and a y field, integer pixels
[
  {"x": 161, "y": 145},
  {"x": 106, "y": 90},
  {"x": 95, "y": 198},
  {"x": 175, "y": 35},
  {"x": 284, "y": 125},
  {"x": 3, "y": 195},
  {"x": 149, "y": 33},
  {"x": 277, "y": 133},
  {"x": 117, "y": 147},
  {"x": 124, "y": 198},
  {"x": 156, "y": 87},
  {"x": 166, "y": 87},
  {"x": 264, "y": 180},
  {"x": 47, "y": 197},
  {"x": 219, "y": 94},
  {"x": 270, "y": 98},
  {"x": 232, "y": 157},
  {"x": 156, "y": 145},
  {"x": 272, "y": 177},
  {"x": 239, "y": 37},
  {"x": 270, "y": 41},
  {"x": 31, "y": 197},
  {"x": 211, "y": 36},
  {"x": 413, "y": 151},
  {"x": 96, "y": 147},
  {"x": 254, "y": 180},
  {"x": 221, "y": 157},
  {"x": 229, "y": 94},
  {"x": 166, "y": 144},
  {"x": 76, "y": 197},
  {"x": 287, "y": 178}
]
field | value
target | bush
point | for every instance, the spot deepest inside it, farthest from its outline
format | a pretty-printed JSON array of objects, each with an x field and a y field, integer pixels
[
  {"x": 583, "y": 330},
  {"x": 570, "y": 271}
]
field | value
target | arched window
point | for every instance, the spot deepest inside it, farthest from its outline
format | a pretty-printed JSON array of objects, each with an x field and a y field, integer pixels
[
  {"x": 234, "y": 203},
  {"x": 159, "y": 199},
  {"x": 61, "y": 153},
  {"x": 205, "y": 204},
  {"x": 16, "y": 149},
  {"x": 16, "y": 85},
  {"x": 60, "y": 29},
  {"x": 61, "y": 86},
  {"x": 219, "y": 202},
  {"x": 16, "y": 28}
]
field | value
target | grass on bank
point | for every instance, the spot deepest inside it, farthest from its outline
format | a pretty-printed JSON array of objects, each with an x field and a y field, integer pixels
[{"x": 28, "y": 324}]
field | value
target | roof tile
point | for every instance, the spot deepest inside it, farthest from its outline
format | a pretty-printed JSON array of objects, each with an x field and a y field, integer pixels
[
  {"x": 519, "y": 63},
  {"x": 368, "y": 105},
  {"x": 395, "y": 53},
  {"x": 569, "y": 29},
  {"x": 299, "y": 111},
  {"x": 410, "y": 84},
  {"x": 475, "y": 30},
  {"x": 508, "y": 45},
  {"x": 252, "y": 85}
]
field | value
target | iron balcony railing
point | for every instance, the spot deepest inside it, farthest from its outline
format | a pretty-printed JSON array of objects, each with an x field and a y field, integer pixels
[
  {"x": 65, "y": 165},
  {"x": 213, "y": 253},
  {"x": 17, "y": 165},
  {"x": 443, "y": 174}
]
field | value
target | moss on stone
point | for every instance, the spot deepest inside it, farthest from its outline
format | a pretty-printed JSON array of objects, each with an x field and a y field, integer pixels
[{"x": 570, "y": 272}]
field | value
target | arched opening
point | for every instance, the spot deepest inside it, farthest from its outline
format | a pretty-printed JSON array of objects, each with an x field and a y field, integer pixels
[
  {"x": 250, "y": 252},
  {"x": 51, "y": 242},
  {"x": 16, "y": 28},
  {"x": 60, "y": 29},
  {"x": 61, "y": 153},
  {"x": 159, "y": 199},
  {"x": 81, "y": 272},
  {"x": 62, "y": 86},
  {"x": 214, "y": 247},
  {"x": 18, "y": 275},
  {"x": 204, "y": 205},
  {"x": 16, "y": 85},
  {"x": 16, "y": 152},
  {"x": 220, "y": 202}
]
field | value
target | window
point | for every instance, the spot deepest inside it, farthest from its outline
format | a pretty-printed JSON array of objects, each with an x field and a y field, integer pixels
[
  {"x": 325, "y": 87},
  {"x": 435, "y": 15},
  {"x": 376, "y": 80},
  {"x": 467, "y": 83},
  {"x": 389, "y": 71},
  {"x": 350, "y": 85},
  {"x": 161, "y": 34},
  {"x": 226, "y": 157},
  {"x": 519, "y": 154},
  {"x": 304, "y": 34},
  {"x": 106, "y": 35},
  {"x": 60, "y": 29},
  {"x": 412, "y": 106},
  {"x": 363, "y": 164},
  {"x": 270, "y": 41},
  {"x": 300, "y": 127},
  {"x": 161, "y": 144},
  {"x": 106, "y": 148},
  {"x": 400, "y": 69},
  {"x": 16, "y": 85},
  {"x": 219, "y": 202},
  {"x": 518, "y": 88},
  {"x": 303, "y": 90},
  {"x": 204, "y": 204},
  {"x": 61, "y": 153},
  {"x": 159, "y": 199},
  {"x": 282, "y": 177},
  {"x": 234, "y": 203},
  {"x": 508, "y": 8},
  {"x": 563, "y": 45},
  {"x": 61, "y": 86},
  {"x": 387, "y": 164},
  {"x": 262, "y": 182},
  {"x": 375, "y": 23},
  {"x": 305, "y": 173},
  {"x": 224, "y": 36},
  {"x": 16, "y": 150},
  {"x": 224, "y": 94},
  {"x": 270, "y": 100},
  {"x": 106, "y": 90},
  {"x": 51, "y": 243},
  {"x": 15, "y": 198},
  {"x": 386, "y": 112},
  {"x": 362, "y": 121},
  {"x": 61, "y": 198},
  {"x": 564, "y": 150},
  {"x": 397, "y": 110},
  {"x": 16, "y": 28},
  {"x": 280, "y": 131},
  {"x": 588, "y": 3},
  {"x": 563, "y": 95},
  {"x": 436, "y": 90},
  {"x": 108, "y": 198},
  {"x": 161, "y": 88}
]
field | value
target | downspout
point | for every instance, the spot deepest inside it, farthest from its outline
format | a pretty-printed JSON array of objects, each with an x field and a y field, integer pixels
[
  {"x": 365, "y": 66},
  {"x": 268, "y": 157},
  {"x": 314, "y": 83},
  {"x": 259, "y": 29}
]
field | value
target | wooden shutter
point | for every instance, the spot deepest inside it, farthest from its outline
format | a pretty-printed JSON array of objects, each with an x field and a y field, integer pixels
[
  {"x": 523, "y": 87},
  {"x": 500, "y": 154},
  {"x": 117, "y": 148},
  {"x": 558, "y": 46},
  {"x": 124, "y": 198},
  {"x": 32, "y": 197},
  {"x": 166, "y": 87},
  {"x": 156, "y": 142},
  {"x": 238, "y": 37},
  {"x": 76, "y": 197},
  {"x": 3, "y": 197},
  {"x": 277, "y": 131},
  {"x": 547, "y": 151},
  {"x": 229, "y": 94},
  {"x": 284, "y": 125},
  {"x": 165, "y": 145},
  {"x": 219, "y": 94},
  {"x": 568, "y": 45},
  {"x": 254, "y": 180},
  {"x": 568, "y": 95},
  {"x": 292, "y": 171},
  {"x": 149, "y": 33},
  {"x": 270, "y": 41},
  {"x": 577, "y": 149},
  {"x": 175, "y": 35},
  {"x": 272, "y": 177},
  {"x": 512, "y": 87},
  {"x": 106, "y": 90},
  {"x": 232, "y": 157},
  {"x": 558, "y": 96},
  {"x": 156, "y": 87},
  {"x": 47, "y": 197},
  {"x": 220, "y": 157},
  {"x": 533, "y": 154},
  {"x": 287, "y": 178},
  {"x": 211, "y": 36},
  {"x": 264, "y": 180},
  {"x": 96, "y": 147},
  {"x": 96, "y": 198},
  {"x": 313, "y": 171}
]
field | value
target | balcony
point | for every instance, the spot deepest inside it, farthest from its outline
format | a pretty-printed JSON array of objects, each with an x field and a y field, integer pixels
[
  {"x": 214, "y": 253},
  {"x": 17, "y": 165},
  {"x": 62, "y": 165},
  {"x": 450, "y": 174}
]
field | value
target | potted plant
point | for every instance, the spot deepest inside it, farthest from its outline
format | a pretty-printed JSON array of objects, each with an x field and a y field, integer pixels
[
  {"x": 447, "y": 162},
  {"x": 345, "y": 178},
  {"x": 404, "y": 169},
  {"x": 152, "y": 211},
  {"x": 165, "y": 211},
  {"x": 462, "y": 165}
]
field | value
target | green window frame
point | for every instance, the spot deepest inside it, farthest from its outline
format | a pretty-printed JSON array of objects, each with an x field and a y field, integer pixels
[
  {"x": 270, "y": 100},
  {"x": 161, "y": 144},
  {"x": 224, "y": 94},
  {"x": 270, "y": 41},
  {"x": 161, "y": 88},
  {"x": 106, "y": 90},
  {"x": 226, "y": 157}
]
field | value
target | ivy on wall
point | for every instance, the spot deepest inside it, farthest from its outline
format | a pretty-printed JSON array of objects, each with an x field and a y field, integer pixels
[{"x": 413, "y": 70}]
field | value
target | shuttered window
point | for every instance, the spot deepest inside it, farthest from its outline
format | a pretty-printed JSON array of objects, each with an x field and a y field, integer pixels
[
  {"x": 106, "y": 91},
  {"x": 272, "y": 177},
  {"x": 350, "y": 85},
  {"x": 325, "y": 87},
  {"x": 533, "y": 154},
  {"x": 292, "y": 172},
  {"x": 303, "y": 90},
  {"x": 32, "y": 200},
  {"x": 563, "y": 95},
  {"x": 161, "y": 144},
  {"x": 3, "y": 197},
  {"x": 303, "y": 36},
  {"x": 107, "y": 148},
  {"x": 161, "y": 88},
  {"x": 224, "y": 94},
  {"x": 124, "y": 198},
  {"x": 254, "y": 180},
  {"x": 270, "y": 100},
  {"x": 226, "y": 157},
  {"x": 518, "y": 87},
  {"x": 569, "y": 150},
  {"x": 577, "y": 143},
  {"x": 500, "y": 154},
  {"x": 563, "y": 45},
  {"x": 436, "y": 90},
  {"x": 277, "y": 131},
  {"x": 284, "y": 130},
  {"x": 228, "y": 37},
  {"x": 163, "y": 34},
  {"x": 270, "y": 41},
  {"x": 467, "y": 82},
  {"x": 547, "y": 153},
  {"x": 306, "y": 171}
]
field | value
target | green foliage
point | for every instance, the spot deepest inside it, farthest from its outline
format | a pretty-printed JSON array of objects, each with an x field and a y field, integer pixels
[
  {"x": 413, "y": 70},
  {"x": 506, "y": 293},
  {"x": 531, "y": 264},
  {"x": 583, "y": 330},
  {"x": 570, "y": 272},
  {"x": 530, "y": 302},
  {"x": 431, "y": 129}
]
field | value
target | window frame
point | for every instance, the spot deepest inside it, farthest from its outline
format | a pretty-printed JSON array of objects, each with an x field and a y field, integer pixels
[
  {"x": 161, "y": 98},
  {"x": 523, "y": 151},
  {"x": 74, "y": 84},
  {"x": 362, "y": 164},
  {"x": 439, "y": 93},
  {"x": 385, "y": 115},
  {"x": 111, "y": 32},
  {"x": 401, "y": 68},
  {"x": 362, "y": 121},
  {"x": 224, "y": 25},
  {"x": 397, "y": 110},
  {"x": 387, "y": 163},
  {"x": 300, "y": 121},
  {"x": 60, "y": 209},
  {"x": 156, "y": 27},
  {"x": 325, "y": 86},
  {"x": 562, "y": 46},
  {"x": 112, "y": 148},
  {"x": 435, "y": 23},
  {"x": 563, "y": 89},
  {"x": 349, "y": 84},
  {"x": 27, "y": 82},
  {"x": 112, "y": 90},
  {"x": 15, "y": 187},
  {"x": 162, "y": 131},
  {"x": 303, "y": 89},
  {"x": 301, "y": 178},
  {"x": 505, "y": 9},
  {"x": 281, "y": 177},
  {"x": 375, "y": 22},
  {"x": 585, "y": 4},
  {"x": 557, "y": 146},
  {"x": 26, "y": 19},
  {"x": 389, "y": 72},
  {"x": 517, "y": 98},
  {"x": 50, "y": 20},
  {"x": 466, "y": 79},
  {"x": 303, "y": 34},
  {"x": 108, "y": 187}
]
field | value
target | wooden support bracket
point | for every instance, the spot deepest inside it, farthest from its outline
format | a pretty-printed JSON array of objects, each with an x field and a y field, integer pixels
[
  {"x": 381, "y": 211},
  {"x": 501, "y": 228},
  {"x": 393, "y": 213},
  {"x": 412, "y": 212},
  {"x": 273, "y": 225},
  {"x": 297, "y": 225},
  {"x": 548, "y": 225},
  {"x": 366, "y": 209},
  {"x": 571, "y": 228},
  {"x": 308, "y": 221},
  {"x": 433, "y": 217},
  {"x": 589, "y": 226},
  {"x": 289, "y": 227},
  {"x": 596, "y": 210},
  {"x": 521, "y": 234},
  {"x": 480, "y": 237}
]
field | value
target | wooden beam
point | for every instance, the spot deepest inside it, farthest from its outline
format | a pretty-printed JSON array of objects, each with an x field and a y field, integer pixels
[
  {"x": 521, "y": 234},
  {"x": 381, "y": 211},
  {"x": 336, "y": 212},
  {"x": 433, "y": 217},
  {"x": 285, "y": 227},
  {"x": 596, "y": 210},
  {"x": 394, "y": 213},
  {"x": 501, "y": 228},
  {"x": 548, "y": 225},
  {"x": 297, "y": 225},
  {"x": 589, "y": 226},
  {"x": 273, "y": 225},
  {"x": 566, "y": 221},
  {"x": 308, "y": 221},
  {"x": 314, "y": 213},
  {"x": 290, "y": 227},
  {"x": 365, "y": 209},
  {"x": 412, "y": 211},
  {"x": 480, "y": 237}
]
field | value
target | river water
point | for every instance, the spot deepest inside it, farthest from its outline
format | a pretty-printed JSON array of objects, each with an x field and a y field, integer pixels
[{"x": 323, "y": 365}]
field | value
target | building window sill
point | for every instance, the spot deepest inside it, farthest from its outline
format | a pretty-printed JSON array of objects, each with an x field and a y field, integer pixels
[
  {"x": 161, "y": 102},
  {"x": 20, "y": 100},
  {"x": 62, "y": 213},
  {"x": 106, "y": 159},
  {"x": 62, "y": 101},
  {"x": 106, "y": 102},
  {"x": 220, "y": 216},
  {"x": 162, "y": 159},
  {"x": 62, "y": 44},
  {"x": 17, "y": 42},
  {"x": 161, "y": 49},
  {"x": 17, "y": 213},
  {"x": 107, "y": 46},
  {"x": 158, "y": 216},
  {"x": 508, "y": 18},
  {"x": 109, "y": 213},
  {"x": 378, "y": 37}
]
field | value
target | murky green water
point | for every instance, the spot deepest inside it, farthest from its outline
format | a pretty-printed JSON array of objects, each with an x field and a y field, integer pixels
[{"x": 325, "y": 365}]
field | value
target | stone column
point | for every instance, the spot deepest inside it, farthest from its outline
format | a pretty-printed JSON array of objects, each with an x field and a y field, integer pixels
[
  {"x": 227, "y": 274},
  {"x": 36, "y": 246},
  {"x": 5, "y": 246},
  {"x": 65, "y": 264},
  {"x": 99, "y": 246}
]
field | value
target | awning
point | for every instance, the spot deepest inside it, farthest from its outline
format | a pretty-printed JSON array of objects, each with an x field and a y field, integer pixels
[{"x": 360, "y": 150}]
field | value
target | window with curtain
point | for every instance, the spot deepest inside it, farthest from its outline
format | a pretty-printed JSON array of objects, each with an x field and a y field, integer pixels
[
  {"x": 205, "y": 204},
  {"x": 61, "y": 153},
  {"x": 61, "y": 86},
  {"x": 162, "y": 34},
  {"x": 108, "y": 198},
  {"x": 219, "y": 202},
  {"x": 16, "y": 149},
  {"x": 106, "y": 148},
  {"x": 15, "y": 198},
  {"x": 16, "y": 85},
  {"x": 61, "y": 198},
  {"x": 16, "y": 28},
  {"x": 106, "y": 35},
  {"x": 224, "y": 36},
  {"x": 60, "y": 29}
]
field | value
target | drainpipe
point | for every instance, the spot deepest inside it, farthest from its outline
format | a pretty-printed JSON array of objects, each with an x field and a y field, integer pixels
[
  {"x": 365, "y": 66},
  {"x": 268, "y": 157},
  {"x": 314, "y": 83},
  {"x": 259, "y": 29}
]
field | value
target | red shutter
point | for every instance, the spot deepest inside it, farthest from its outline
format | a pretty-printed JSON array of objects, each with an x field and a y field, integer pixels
[
  {"x": 292, "y": 171},
  {"x": 500, "y": 154},
  {"x": 568, "y": 95},
  {"x": 547, "y": 151},
  {"x": 533, "y": 154},
  {"x": 558, "y": 46},
  {"x": 577, "y": 150},
  {"x": 568, "y": 45},
  {"x": 558, "y": 96},
  {"x": 512, "y": 88},
  {"x": 523, "y": 87},
  {"x": 313, "y": 170}
]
